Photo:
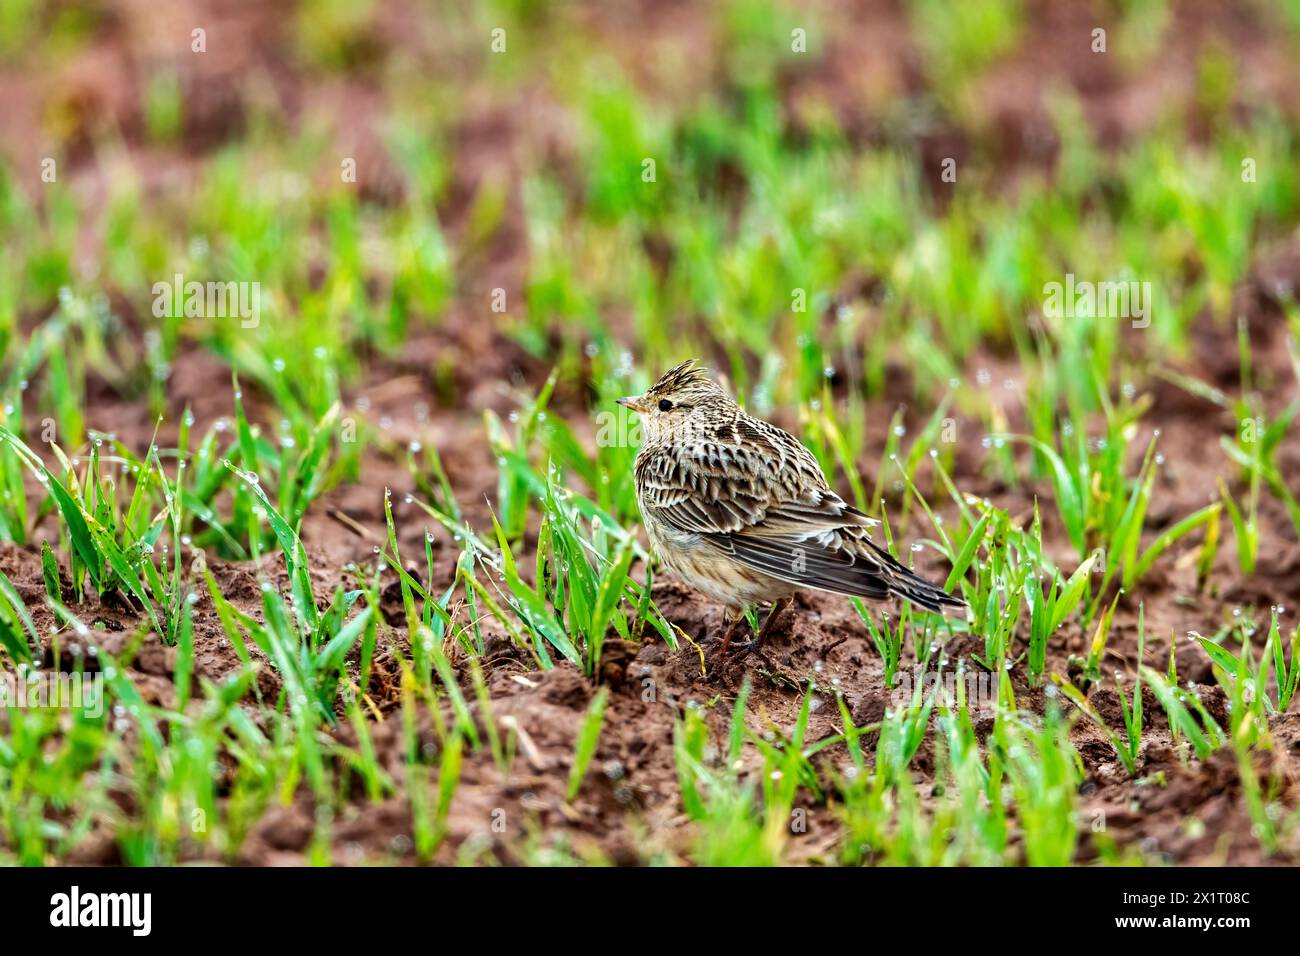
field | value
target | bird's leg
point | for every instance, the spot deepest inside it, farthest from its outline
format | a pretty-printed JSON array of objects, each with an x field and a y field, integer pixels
[
  {"x": 731, "y": 631},
  {"x": 766, "y": 629},
  {"x": 777, "y": 609}
]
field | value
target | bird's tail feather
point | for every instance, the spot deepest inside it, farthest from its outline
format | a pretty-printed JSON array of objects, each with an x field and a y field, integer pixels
[
  {"x": 905, "y": 583},
  {"x": 922, "y": 592},
  {"x": 876, "y": 575}
]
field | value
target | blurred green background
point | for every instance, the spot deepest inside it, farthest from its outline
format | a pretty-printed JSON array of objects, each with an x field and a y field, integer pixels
[{"x": 474, "y": 224}]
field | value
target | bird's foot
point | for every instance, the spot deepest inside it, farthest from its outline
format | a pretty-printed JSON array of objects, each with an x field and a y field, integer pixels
[{"x": 741, "y": 650}]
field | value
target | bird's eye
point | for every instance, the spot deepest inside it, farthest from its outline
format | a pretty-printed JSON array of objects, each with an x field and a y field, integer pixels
[{"x": 664, "y": 405}]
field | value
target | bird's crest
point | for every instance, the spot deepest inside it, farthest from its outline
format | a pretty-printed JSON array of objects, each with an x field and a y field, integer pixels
[{"x": 678, "y": 377}]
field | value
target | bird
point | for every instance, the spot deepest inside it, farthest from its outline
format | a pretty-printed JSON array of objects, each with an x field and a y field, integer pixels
[{"x": 741, "y": 511}]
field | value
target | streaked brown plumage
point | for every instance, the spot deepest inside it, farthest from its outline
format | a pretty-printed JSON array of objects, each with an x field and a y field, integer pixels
[{"x": 741, "y": 510}]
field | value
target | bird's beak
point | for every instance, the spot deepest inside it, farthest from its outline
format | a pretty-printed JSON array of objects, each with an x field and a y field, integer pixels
[{"x": 633, "y": 402}]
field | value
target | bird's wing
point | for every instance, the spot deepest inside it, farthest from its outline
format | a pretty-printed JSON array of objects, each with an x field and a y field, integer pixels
[
  {"x": 763, "y": 502},
  {"x": 742, "y": 477}
]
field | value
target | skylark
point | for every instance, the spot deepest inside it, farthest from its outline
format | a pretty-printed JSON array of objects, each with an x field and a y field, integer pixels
[{"x": 741, "y": 510}]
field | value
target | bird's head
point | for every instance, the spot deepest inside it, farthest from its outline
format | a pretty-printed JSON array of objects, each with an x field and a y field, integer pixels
[{"x": 684, "y": 398}]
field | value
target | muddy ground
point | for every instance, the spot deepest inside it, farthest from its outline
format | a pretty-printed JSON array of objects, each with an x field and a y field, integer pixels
[{"x": 629, "y": 808}]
